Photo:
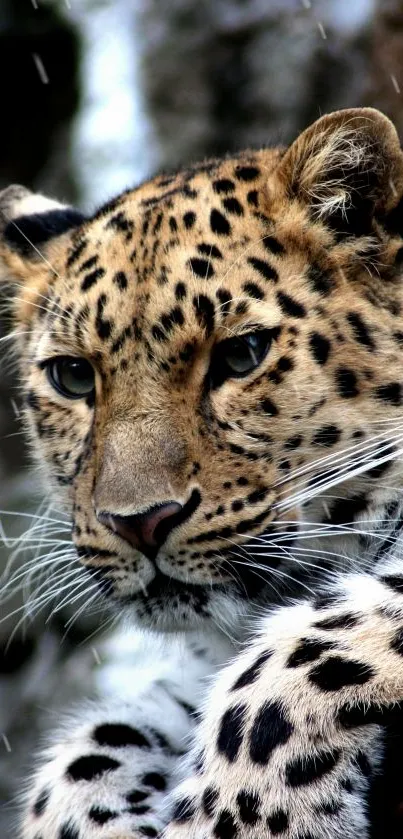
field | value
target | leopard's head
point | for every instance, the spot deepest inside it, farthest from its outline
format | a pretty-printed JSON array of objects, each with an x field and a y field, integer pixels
[{"x": 209, "y": 354}]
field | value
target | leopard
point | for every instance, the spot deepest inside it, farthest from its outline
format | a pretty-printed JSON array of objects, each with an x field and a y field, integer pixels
[{"x": 212, "y": 374}]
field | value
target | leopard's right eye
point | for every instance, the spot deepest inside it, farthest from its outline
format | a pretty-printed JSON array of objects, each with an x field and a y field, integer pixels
[
  {"x": 237, "y": 357},
  {"x": 73, "y": 378}
]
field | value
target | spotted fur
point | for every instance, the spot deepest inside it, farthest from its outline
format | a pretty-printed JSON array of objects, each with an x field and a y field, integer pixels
[{"x": 304, "y": 247}]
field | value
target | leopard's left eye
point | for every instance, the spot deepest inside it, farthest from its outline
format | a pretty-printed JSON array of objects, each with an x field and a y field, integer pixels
[
  {"x": 237, "y": 357},
  {"x": 72, "y": 377}
]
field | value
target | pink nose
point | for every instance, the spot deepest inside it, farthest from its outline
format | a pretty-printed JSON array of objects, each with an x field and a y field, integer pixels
[{"x": 145, "y": 531}]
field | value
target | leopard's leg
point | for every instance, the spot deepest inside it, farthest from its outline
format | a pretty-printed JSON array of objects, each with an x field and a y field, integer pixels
[
  {"x": 109, "y": 771},
  {"x": 293, "y": 728}
]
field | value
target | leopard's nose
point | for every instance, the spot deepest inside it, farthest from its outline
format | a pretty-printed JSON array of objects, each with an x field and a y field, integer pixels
[{"x": 145, "y": 531}]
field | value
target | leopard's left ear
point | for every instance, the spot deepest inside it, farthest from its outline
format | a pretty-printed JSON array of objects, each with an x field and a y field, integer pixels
[
  {"x": 27, "y": 222},
  {"x": 348, "y": 166}
]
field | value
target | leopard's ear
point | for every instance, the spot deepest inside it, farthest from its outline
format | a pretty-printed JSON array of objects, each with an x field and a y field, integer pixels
[
  {"x": 27, "y": 222},
  {"x": 348, "y": 166}
]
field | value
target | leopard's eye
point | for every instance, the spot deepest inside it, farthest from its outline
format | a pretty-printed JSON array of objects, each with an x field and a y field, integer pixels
[
  {"x": 237, "y": 357},
  {"x": 73, "y": 377}
]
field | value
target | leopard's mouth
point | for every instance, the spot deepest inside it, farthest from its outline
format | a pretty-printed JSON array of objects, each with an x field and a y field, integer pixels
[
  {"x": 245, "y": 572},
  {"x": 164, "y": 586}
]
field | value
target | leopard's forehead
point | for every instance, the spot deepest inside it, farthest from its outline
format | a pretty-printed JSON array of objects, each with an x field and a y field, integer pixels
[{"x": 191, "y": 255}]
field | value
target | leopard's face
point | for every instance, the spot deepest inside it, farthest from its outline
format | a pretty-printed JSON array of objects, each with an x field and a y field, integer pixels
[{"x": 190, "y": 355}]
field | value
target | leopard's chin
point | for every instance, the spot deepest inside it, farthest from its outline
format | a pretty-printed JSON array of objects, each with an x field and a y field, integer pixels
[{"x": 169, "y": 605}]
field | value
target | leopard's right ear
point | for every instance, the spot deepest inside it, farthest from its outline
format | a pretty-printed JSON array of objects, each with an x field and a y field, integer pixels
[{"x": 28, "y": 221}]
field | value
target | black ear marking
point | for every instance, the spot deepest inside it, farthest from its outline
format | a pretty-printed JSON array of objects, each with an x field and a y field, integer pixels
[{"x": 24, "y": 231}]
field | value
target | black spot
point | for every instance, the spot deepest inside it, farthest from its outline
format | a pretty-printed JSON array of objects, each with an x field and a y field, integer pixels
[
  {"x": 90, "y": 279},
  {"x": 120, "y": 280},
  {"x": 269, "y": 407},
  {"x": 171, "y": 319},
  {"x": 230, "y": 735},
  {"x": 68, "y": 831},
  {"x": 189, "y": 219},
  {"x": 118, "y": 735},
  {"x": 336, "y": 673},
  {"x": 393, "y": 581},
  {"x": 201, "y": 267},
  {"x": 147, "y": 830},
  {"x": 154, "y": 780},
  {"x": 320, "y": 347},
  {"x": 236, "y": 506},
  {"x": 391, "y": 393},
  {"x": 76, "y": 252},
  {"x": 320, "y": 280},
  {"x": 247, "y": 173},
  {"x": 180, "y": 291},
  {"x": 277, "y": 822},
  {"x": 102, "y": 325},
  {"x": 360, "y": 329},
  {"x": 122, "y": 224},
  {"x": 41, "y": 802},
  {"x": 158, "y": 333},
  {"x": 308, "y": 768},
  {"x": 183, "y": 810},
  {"x": 136, "y": 796},
  {"x": 263, "y": 268},
  {"x": 209, "y": 801},
  {"x": 253, "y": 198},
  {"x": 205, "y": 312},
  {"x": 257, "y": 495},
  {"x": 100, "y": 815},
  {"x": 249, "y": 806},
  {"x": 91, "y": 766},
  {"x": 290, "y": 306},
  {"x": 309, "y": 649},
  {"x": 345, "y": 621},
  {"x": 225, "y": 827},
  {"x": 219, "y": 224},
  {"x": 273, "y": 245},
  {"x": 225, "y": 298},
  {"x": 241, "y": 308},
  {"x": 293, "y": 442},
  {"x": 89, "y": 263},
  {"x": 223, "y": 185},
  {"x": 209, "y": 250},
  {"x": 253, "y": 290},
  {"x": 188, "y": 352},
  {"x": 270, "y": 729},
  {"x": 379, "y": 470},
  {"x": 285, "y": 364},
  {"x": 232, "y": 205},
  {"x": 327, "y": 435},
  {"x": 346, "y": 382},
  {"x": 139, "y": 809}
]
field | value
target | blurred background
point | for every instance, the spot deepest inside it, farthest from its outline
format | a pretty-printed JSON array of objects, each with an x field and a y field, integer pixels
[{"x": 96, "y": 95}]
